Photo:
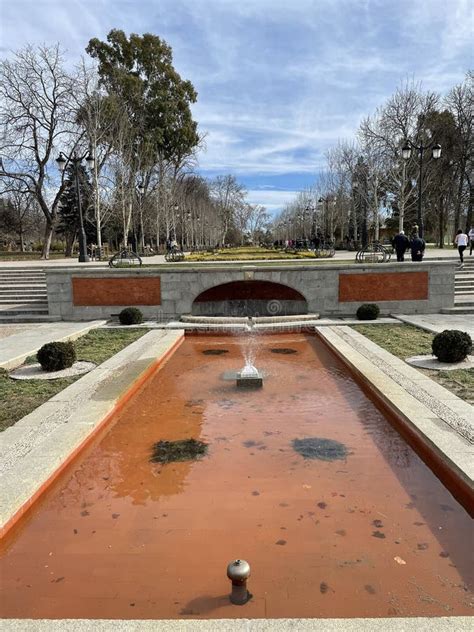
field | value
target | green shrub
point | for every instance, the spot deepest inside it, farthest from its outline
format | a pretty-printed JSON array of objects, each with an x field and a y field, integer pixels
[
  {"x": 368, "y": 311},
  {"x": 56, "y": 356},
  {"x": 131, "y": 316},
  {"x": 451, "y": 345}
]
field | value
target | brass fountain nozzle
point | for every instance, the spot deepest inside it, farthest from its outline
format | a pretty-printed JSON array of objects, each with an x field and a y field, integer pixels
[{"x": 238, "y": 572}]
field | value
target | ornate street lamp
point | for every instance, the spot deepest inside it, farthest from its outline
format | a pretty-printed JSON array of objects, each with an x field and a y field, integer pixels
[
  {"x": 406, "y": 155},
  {"x": 75, "y": 161}
]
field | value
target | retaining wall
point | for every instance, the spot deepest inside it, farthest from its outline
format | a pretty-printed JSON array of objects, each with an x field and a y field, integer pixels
[{"x": 167, "y": 292}]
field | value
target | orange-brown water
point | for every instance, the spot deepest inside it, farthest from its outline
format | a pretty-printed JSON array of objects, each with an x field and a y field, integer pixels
[{"x": 375, "y": 534}]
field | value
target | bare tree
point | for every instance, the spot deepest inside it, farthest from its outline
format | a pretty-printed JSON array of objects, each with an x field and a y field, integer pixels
[
  {"x": 97, "y": 115},
  {"x": 258, "y": 220},
  {"x": 37, "y": 117},
  {"x": 461, "y": 104},
  {"x": 400, "y": 118},
  {"x": 229, "y": 195}
]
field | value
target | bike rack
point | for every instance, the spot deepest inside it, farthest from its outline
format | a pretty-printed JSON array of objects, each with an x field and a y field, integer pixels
[
  {"x": 125, "y": 258},
  {"x": 373, "y": 253}
]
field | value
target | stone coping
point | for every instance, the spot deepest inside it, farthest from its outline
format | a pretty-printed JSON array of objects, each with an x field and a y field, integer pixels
[
  {"x": 394, "y": 624},
  {"x": 250, "y": 267},
  {"x": 443, "y": 421},
  {"x": 242, "y": 326},
  {"x": 37, "y": 448}
]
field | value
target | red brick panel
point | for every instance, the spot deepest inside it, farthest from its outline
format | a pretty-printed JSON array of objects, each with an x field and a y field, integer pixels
[
  {"x": 116, "y": 291},
  {"x": 383, "y": 286}
]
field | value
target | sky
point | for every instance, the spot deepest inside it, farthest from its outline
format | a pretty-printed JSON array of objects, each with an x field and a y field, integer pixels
[{"x": 279, "y": 81}]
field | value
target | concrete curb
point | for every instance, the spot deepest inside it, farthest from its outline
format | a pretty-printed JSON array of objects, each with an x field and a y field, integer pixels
[
  {"x": 16, "y": 348},
  {"x": 415, "y": 624},
  {"x": 37, "y": 448}
]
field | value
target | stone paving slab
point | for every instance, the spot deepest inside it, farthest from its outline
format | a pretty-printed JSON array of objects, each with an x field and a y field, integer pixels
[
  {"x": 16, "y": 348},
  {"x": 439, "y": 322},
  {"x": 445, "y": 422},
  {"x": 12, "y": 329},
  {"x": 415, "y": 624},
  {"x": 34, "y": 448}
]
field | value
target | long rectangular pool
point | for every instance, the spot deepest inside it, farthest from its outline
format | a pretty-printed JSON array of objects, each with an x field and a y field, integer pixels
[{"x": 363, "y": 530}]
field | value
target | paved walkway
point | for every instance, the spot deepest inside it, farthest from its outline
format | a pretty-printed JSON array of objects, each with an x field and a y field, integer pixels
[
  {"x": 341, "y": 255},
  {"x": 15, "y": 348},
  {"x": 439, "y": 322},
  {"x": 392, "y": 624}
]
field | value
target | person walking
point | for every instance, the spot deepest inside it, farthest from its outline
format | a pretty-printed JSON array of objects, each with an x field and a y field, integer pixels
[
  {"x": 401, "y": 243},
  {"x": 461, "y": 240},
  {"x": 417, "y": 247},
  {"x": 471, "y": 239}
]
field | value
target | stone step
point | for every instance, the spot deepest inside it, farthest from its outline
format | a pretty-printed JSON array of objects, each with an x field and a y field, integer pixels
[
  {"x": 27, "y": 298},
  {"x": 26, "y": 272},
  {"x": 23, "y": 292},
  {"x": 27, "y": 318},
  {"x": 458, "y": 310},
  {"x": 22, "y": 300},
  {"x": 22, "y": 277},
  {"x": 22, "y": 308},
  {"x": 23, "y": 287}
]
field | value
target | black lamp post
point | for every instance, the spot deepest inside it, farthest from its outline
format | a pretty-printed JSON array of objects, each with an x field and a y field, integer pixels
[
  {"x": 406, "y": 155},
  {"x": 75, "y": 160}
]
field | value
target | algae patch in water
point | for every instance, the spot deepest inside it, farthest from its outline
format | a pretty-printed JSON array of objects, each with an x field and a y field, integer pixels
[
  {"x": 283, "y": 350},
  {"x": 322, "y": 449},
  {"x": 215, "y": 351},
  {"x": 184, "y": 450}
]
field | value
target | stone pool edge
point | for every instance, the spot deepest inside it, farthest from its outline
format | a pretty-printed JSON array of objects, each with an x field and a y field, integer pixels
[
  {"x": 41, "y": 445},
  {"x": 436, "y": 419},
  {"x": 394, "y": 624}
]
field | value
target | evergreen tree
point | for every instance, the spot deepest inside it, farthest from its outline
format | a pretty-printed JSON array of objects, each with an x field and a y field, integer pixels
[{"x": 69, "y": 210}]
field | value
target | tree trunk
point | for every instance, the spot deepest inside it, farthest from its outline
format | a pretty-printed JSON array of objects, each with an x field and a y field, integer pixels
[
  {"x": 22, "y": 239},
  {"x": 70, "y": 239},
  {"x": 48, "y": 236},
  {"x": 441, "y": 224},
  {"x": 470, "y": 205},
  {"x": 457, "y": 211}
]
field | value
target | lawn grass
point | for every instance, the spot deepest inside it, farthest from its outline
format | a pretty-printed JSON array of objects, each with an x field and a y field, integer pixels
[
  {"x": 250, "y": 253},
  {"x": 20, "y": 397},
  {"x": 27, "y": 256},
  {"x": 405, "y": 341}
]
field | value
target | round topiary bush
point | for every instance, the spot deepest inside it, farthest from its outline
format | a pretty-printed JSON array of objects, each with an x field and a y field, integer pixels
[
  {"x": 131, "y": 316},
  {"x": 451, "y": 345},
  {"x": 368, "y": 311},
  {"x": 56, "y": 356}
]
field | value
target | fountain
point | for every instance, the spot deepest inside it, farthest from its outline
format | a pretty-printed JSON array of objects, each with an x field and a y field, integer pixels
[{"x": 249, "y": 376}]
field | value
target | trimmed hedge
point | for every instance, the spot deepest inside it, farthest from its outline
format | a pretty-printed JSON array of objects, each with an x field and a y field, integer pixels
[
  {"x": 131, "y": 316},
  {"x": 55, "y": 356},
  {"x": 368, "y": 311},
  {"x": 452, "y": 345}
]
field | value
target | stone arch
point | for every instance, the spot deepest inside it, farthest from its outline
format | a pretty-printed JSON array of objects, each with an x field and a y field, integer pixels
[{"x": 250, "y": 298}]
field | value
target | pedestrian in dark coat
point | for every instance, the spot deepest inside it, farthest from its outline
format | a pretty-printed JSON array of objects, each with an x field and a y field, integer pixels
[
  {"x": 401, "y": 243},
  {"x": 417, "y": 247}
]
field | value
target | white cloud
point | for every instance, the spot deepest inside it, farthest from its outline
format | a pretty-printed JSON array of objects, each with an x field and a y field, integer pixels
[
  {"x": 279, "y": 81},
  {"x": 272, "y": 200}
]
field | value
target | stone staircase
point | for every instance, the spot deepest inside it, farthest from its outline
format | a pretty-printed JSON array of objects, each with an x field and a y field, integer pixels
[
  {"x": 23, "y": 296},
  {"x": 463, "y": 289}
]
